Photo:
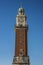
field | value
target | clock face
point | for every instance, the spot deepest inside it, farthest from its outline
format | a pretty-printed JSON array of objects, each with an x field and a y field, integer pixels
[{"x": 20, "y": 19}]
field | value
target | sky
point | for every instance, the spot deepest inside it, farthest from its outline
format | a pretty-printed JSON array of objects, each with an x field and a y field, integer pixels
[{"x": 34, "y": 12}]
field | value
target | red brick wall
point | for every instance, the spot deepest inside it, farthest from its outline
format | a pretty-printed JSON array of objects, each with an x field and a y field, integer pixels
[{"x": 21, "y": 41}]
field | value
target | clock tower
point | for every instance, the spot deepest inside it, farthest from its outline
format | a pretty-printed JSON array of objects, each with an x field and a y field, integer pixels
[{"x": 21, "y": 54}]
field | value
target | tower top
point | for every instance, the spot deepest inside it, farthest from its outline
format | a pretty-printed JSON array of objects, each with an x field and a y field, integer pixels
[{"x": 21, "y": 11}]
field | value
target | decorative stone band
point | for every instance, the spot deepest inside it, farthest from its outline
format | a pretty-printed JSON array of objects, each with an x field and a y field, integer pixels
[
  {"x": 19, "y": 60},
  {"x": 21, "y": 27}
]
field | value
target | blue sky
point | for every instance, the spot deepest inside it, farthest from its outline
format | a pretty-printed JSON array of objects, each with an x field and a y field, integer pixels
[{"x": 34, "y": 12}]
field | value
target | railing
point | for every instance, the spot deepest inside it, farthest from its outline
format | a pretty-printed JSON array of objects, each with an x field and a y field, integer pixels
[{"x": 23, "y": 60}]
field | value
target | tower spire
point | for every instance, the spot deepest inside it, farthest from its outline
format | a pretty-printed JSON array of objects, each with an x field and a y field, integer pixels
[{"x": 21, "y": 3}]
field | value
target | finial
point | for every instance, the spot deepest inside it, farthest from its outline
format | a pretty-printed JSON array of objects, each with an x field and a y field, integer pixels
[
  {"x": 21, "y": 3},
  {"x": 21, "y": 10}
]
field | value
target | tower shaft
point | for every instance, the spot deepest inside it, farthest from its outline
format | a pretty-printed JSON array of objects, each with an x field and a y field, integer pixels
[{"x": 21, "y": 41}]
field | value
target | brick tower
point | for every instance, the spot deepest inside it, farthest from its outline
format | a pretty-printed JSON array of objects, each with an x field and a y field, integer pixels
[{"x": 21, "y": 57}]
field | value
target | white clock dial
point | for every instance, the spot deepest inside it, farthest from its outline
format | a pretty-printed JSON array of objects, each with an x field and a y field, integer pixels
[{"x": 20, "y": 19}]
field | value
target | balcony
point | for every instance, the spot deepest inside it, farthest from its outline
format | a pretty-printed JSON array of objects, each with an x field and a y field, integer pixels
[{"x": 19, "y": 60}]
